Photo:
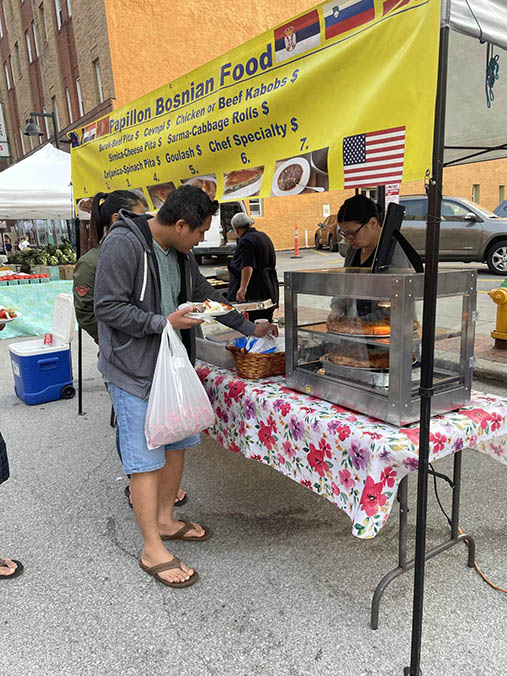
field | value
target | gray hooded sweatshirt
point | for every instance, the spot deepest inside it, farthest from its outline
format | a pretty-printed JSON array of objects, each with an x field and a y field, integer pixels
[{"x": 127, "y": 304}]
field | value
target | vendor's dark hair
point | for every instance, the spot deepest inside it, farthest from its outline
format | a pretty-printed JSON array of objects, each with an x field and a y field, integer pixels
[
  {"x": 189, "y": 203},
  {"x": 359, "y": 208},
  {"x": 105, "y": 205}
]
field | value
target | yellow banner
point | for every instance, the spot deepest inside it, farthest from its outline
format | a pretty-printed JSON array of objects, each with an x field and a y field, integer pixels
[{"x": 341, "y": 96}]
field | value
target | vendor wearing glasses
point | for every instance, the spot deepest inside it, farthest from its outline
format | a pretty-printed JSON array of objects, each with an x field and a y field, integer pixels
[{"x": 359, "y": 223}]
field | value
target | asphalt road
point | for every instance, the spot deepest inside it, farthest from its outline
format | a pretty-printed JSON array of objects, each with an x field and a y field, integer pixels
[{"x": 285, "y": 589}]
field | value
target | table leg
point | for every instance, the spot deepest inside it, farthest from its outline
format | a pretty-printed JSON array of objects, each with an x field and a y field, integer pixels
[
  {"x": 402, "y": 553},
  {"x": 403, "y": 564}
]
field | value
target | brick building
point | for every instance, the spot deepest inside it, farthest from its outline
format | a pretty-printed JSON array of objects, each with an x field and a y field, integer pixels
[{"x": 82, "y": 58}]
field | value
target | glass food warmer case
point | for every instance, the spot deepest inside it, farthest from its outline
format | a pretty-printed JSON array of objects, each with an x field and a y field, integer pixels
[{"x": 354, "y": 338}]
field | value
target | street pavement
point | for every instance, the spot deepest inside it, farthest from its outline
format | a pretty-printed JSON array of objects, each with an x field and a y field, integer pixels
[{"x": 285, "y": 588}]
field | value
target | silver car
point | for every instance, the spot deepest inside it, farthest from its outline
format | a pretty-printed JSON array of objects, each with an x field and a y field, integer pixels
[{"x": 468, "y": 232}]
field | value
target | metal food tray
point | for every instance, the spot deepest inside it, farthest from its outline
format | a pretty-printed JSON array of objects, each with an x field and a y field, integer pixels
[
  {"x": 373, "y": 377},
  {"x": 361, "y": 374}
]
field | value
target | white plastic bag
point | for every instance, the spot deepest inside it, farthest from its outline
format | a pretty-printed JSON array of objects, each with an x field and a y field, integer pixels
[{"x": 178, "y": 405}]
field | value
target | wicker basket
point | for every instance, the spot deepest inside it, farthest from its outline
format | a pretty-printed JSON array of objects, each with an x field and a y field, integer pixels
[{"x": 252, "y": 365}]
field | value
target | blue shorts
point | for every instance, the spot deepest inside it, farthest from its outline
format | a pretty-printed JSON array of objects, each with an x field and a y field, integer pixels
[{"x": 135, "y": 454}]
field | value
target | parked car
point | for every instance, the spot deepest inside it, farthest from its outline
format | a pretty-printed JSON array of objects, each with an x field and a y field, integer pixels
[
  {"x": 468, "y": 232},
  {"x": 325, "y": 235}
]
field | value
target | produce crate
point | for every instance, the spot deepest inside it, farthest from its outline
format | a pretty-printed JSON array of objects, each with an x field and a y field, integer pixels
[{"x": 66, "y": 271}]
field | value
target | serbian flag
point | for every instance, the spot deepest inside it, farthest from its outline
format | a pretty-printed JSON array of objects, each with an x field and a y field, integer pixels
[
  {"x": 89, "y": 133},
  {"x": 297, "y": 36},
  {"x": 374, "y": 158},
  {"x": 344, "y": 16}
]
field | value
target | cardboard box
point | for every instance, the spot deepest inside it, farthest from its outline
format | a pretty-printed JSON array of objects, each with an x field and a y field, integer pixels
[{"x": 66, "y": 271}]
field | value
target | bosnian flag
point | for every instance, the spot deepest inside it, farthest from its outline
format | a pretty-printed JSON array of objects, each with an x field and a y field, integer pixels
[
  {"x": 375, "y": 158},
  {"x": 297, "y": 36},
  {"x": 344, "y": 15}
]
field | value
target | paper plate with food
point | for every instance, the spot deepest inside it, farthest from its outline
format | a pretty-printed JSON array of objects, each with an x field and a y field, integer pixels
[
  {"x": 8, "y": 314},
  {"x": 207, "y": 310},
  {"x": 243, "y": 183}
]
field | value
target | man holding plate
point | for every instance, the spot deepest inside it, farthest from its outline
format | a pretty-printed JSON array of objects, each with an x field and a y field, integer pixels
[{"x": 145, "y": 271}]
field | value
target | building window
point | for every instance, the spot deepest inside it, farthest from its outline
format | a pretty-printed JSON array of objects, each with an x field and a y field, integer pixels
[
  {"x": 79, "y": 97},
  {"x": 69, "y": 9},
  {"x": 59, "y": 14},
  {"x": 42, "y": 19},
  {"x": 55, "y": 111},
  {"x": 22, "y": 141},
  {"x": 7, "y": 77},
  {"x": 371, "y": 193},
  {"x": 256, "y": 207},
  {"x": 18, "y": 60},
  {"x": 46, "y": 122},
  {"x": 35, "y": 43},
  {"x": 11, "y": 71},
  {"x": 501, "y": 193},
  {"x": 69, "y": 106},
  {"x": 28, "y": 47},
  {"x": 476, "y": 193},
  {"x": 98, "y": 79}
]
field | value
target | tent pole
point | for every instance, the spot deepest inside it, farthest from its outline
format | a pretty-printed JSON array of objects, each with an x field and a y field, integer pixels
[
  {"x": 77, "y": 235},
  {"x": 428, "y": 346}
]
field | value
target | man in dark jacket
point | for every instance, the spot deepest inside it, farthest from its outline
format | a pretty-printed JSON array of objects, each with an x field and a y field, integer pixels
[
  {"x": 252, "y": 270},
  {"x": 145, "y": 271}
]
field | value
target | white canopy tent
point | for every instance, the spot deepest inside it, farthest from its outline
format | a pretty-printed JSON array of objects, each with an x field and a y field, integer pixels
[
  {"x": 470, "y": 122},
  {"x": 37, "y": 187}
]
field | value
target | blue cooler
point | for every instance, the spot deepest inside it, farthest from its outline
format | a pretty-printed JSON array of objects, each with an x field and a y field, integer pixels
[{"x": 44, "y": 372}]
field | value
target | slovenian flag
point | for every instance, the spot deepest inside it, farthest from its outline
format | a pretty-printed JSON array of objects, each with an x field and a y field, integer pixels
[
  {"x": 341, "y": 17},
  {"x": 297, "y": 36}
]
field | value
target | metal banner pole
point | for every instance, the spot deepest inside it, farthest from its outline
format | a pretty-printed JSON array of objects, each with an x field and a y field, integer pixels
[{"x": 428, "y": 349}]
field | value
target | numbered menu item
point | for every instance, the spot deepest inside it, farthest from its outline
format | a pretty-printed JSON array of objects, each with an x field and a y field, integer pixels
[
  {"x": 159, "y": 193},
  {"x": 208, "y": 183},
  {"x": 243, "y": 183},
  {"x": 305, "y": 173}
]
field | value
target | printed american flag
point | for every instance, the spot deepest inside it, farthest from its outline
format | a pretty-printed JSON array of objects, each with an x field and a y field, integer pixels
[{"x": 375, "y": 158}]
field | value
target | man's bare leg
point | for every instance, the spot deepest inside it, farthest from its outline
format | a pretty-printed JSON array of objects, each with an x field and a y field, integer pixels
[
  {"x": 145, "y": 489},
  {"x": 170, "y": 479}
]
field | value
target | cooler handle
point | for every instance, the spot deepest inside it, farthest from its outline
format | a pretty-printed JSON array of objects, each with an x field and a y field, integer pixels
[{"x": 47, "y": 362}]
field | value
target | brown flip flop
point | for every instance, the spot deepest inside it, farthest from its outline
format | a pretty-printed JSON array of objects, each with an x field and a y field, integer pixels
[
  {"x": 180, "y": 534},
  {"x": 17, "y": 571},
  {"x": 170, "y": 565}
]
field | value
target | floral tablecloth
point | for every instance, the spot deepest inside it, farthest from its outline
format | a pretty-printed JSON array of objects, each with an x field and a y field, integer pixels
[{"x": 353, "y": 460}]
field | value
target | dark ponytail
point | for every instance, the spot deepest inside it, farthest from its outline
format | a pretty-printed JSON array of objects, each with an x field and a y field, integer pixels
[
  {"x": 105, "y": 205},
  {"x": 359, "y": 208}
]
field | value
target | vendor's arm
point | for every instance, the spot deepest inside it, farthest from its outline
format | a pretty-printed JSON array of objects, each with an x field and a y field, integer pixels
[
  {"x": 202, "y": 290},
  {"x": 84, "y": 283},
  {"x": 246, "y": 275},
  {"x": 117, "y": 268}
]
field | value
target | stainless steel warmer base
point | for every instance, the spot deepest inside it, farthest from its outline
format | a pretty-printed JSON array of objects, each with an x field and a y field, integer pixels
[{"x": 360, "y": 396}]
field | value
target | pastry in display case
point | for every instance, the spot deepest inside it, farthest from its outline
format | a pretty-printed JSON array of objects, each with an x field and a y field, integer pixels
[{"x": 353, "y": 337}]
